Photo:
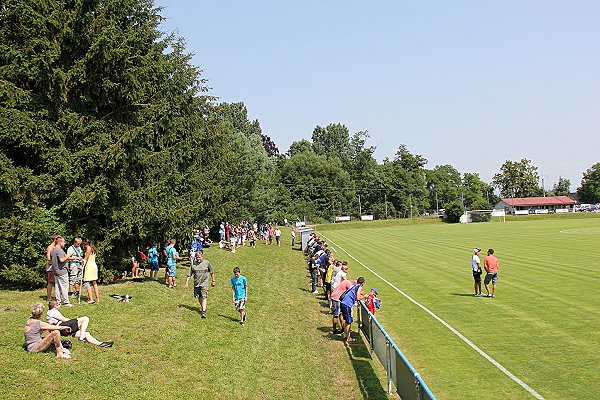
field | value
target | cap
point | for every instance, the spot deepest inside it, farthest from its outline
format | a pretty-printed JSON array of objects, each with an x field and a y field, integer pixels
[
  {"x": 374, "y": 290},
  {"x": 476, "y": 250}
]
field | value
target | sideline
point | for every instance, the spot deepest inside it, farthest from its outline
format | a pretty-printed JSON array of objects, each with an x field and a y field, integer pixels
[{"x": 457, "y": 333}]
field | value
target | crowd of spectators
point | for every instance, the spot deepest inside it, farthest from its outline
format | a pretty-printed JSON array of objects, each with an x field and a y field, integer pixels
[{"x": 339, "y": 290}]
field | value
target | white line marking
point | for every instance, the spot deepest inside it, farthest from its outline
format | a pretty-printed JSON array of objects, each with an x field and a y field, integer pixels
[{"x": 457, "y": 333}]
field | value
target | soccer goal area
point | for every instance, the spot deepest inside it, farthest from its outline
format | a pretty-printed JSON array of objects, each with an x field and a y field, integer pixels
[{"x": 482, "y": 216}]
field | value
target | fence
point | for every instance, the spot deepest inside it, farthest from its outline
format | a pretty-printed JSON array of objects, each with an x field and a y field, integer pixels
[{"x": 409, "y": 384}]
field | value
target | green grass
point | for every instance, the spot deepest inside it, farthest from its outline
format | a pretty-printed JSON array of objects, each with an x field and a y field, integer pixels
[
  {"x": 543, "y": 326},
  {"x": 163, "y": 350}
]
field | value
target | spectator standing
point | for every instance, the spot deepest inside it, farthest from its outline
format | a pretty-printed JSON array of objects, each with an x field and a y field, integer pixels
[
  {"x": 491, "y": 269},
  {"x": 347, "y": 300},
  {"x": 278, "y": 236},
  {"x": 49, "y": 270},
  {"x": 476, "y": 269},
  {"x": 336, "y": 306},
  {"x": 172, "y": 257},
  {"x": 90, "y": 271},
  {"x": 293, "y": 237},
  {"x": 201, "y": 270},
  {"x": 239, "y": 289},
  {"x": 153, "y": 261},
  {"x": 61, "y": 272},
  {"x": 75, "y": 253},
  {"x": 372, "y": 302}
]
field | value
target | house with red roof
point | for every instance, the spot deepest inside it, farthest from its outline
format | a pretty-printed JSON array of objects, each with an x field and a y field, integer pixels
[{"x": 536, "y": 205}]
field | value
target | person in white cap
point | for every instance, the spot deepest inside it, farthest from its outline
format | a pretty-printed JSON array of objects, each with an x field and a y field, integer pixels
[{"x": 476, "y": 268}]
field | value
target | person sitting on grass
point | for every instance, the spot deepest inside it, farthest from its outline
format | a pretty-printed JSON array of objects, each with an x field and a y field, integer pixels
[
  {"x": 34, "y": 343},
  {"x": 77, "y": 326}
]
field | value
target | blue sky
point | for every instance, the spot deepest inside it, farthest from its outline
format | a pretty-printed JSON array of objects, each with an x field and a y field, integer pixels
[{"x": 465, "y": 83}]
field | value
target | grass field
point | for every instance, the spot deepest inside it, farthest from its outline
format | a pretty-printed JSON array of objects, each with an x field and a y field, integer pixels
[
  {"x": 163, "y": 350},
  {"x": 543, "y": 326}
]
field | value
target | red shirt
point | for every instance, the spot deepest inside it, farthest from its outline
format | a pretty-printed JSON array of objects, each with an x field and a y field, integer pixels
[{"x": 491, "y": 262}]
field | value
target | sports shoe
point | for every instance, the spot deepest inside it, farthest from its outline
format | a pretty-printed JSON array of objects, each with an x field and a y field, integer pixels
[
  {"x": 203, "y": 314},
  {"x": 244, "y": 318},
  {"x": 68, "y": 305},
  {"x": 315, "y": 292},
  {"x": 106, "y": 344},
  {"x": 66, "y": 354}
]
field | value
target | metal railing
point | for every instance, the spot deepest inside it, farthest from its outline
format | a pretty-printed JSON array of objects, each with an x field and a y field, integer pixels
[{"x": 409, "y": 384}]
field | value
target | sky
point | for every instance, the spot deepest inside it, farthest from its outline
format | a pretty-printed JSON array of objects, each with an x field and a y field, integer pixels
[{"x": 465, "y": 83}]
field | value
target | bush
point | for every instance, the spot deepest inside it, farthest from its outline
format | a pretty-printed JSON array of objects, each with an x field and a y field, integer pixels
[
  {"x": 454, "y": 210},
  {"x": 23, "y": 276}
]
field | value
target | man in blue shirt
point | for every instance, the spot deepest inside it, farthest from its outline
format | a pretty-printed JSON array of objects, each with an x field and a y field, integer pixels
[
  {"x": 347, "y": 300},
  {"x": 239, "y": 290}
]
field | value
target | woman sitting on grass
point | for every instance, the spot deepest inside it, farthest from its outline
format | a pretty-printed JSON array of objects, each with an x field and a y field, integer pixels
[{"x": 33, "y": 333}]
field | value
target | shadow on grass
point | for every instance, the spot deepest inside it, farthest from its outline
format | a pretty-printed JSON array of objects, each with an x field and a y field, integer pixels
[
  {"x": 368, "y": 381},
  {"x": 360, "y": 357},
  {"x": 236, "y": 320},
  {"x": 463, "y": 294},
  {"x": 191, "y": 308}
]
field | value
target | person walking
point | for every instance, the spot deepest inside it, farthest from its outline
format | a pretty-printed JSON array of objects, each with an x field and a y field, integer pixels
[
  {"x": 201, "y": 270},
  {"x": 491, "y": 269},
  {"x": 293, "y": 237},
  {"x": 90, "y": 271},
  {"x": 278, "y": 236},
  {"x": 476, "y": 269},
  {"x": 239, "y": 289}
]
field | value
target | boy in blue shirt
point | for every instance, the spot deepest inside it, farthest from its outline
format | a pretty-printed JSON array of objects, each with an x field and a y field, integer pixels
[
  {"x": 239, "y": 290},
  {"x": 153, "y": 261}
]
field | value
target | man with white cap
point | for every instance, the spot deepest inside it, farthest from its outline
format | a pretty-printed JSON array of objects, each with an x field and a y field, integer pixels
[{"x": 476, "y": 268}]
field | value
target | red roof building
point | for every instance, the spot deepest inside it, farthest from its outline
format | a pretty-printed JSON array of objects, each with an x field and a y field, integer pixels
[{"x": 536, "y": 205}]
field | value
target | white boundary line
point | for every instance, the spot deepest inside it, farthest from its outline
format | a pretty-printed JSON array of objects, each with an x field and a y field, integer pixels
[{"x": 457, "y": 333}]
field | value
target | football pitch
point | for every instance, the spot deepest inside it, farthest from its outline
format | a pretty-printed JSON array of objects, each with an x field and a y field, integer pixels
[{"x": 540, "y": 336}]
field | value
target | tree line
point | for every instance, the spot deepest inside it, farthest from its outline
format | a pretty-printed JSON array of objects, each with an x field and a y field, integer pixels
[{"x": 109, "y": 132}]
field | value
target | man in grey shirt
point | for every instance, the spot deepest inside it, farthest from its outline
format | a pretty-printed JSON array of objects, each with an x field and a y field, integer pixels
[
  {"x": 61, "y": 272},
  {"x": 201, "y": 269}
]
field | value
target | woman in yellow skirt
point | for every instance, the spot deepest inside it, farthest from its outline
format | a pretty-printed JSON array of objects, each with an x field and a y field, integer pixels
[{"x": 90, "y": 271}]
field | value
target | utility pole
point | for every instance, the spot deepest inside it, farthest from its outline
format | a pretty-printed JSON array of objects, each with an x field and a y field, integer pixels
[
  {"x": 385, "y": 196},
  {"x": 437, "y": 205},
  {"x": 359, "y": 207}
]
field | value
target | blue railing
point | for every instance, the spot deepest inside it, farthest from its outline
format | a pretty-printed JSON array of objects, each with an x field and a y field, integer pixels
[{"x": 409, "y": 384}]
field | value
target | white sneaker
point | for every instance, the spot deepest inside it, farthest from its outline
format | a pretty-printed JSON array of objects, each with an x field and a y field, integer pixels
[
  {"x": 66, "y": 353},
  {"x": 315, "y": 292}
]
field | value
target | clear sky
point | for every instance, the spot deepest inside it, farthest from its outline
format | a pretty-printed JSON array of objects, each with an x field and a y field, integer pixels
[{"x": 465, "y": 83}]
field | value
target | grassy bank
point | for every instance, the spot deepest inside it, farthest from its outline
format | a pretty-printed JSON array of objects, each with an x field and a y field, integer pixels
[{"x": 164, "y": 350}]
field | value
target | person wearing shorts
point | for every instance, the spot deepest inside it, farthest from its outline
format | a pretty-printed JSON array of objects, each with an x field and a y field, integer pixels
[
  {"x": 239, "y": 289},
  {"x": 201, "y": 270},
  {"x": 347, "y": 300},
  {"x": 336, "y": 307},
  {"x": 153, "y": 261},
  {"x": 172, "y": 257},
  {"x": 491, "y": 269},
  {"x": 476, "y": 269}
]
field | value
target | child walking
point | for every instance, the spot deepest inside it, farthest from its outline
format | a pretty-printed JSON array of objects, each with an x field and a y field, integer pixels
[{"x": 239, "y": 290}]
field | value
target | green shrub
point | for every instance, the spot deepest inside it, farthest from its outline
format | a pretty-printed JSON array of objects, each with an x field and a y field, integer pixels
[{"x": 23, "y": 276}]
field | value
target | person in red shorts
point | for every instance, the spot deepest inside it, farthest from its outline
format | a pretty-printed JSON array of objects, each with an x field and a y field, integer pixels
[{"x": 491, "y": 269}]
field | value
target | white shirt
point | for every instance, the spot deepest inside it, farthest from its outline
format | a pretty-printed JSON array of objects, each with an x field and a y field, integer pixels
[
  {"x": 337, "y": 279},
  {"x": 52, "y": 316},
  {"x": 475, "y": 263}
]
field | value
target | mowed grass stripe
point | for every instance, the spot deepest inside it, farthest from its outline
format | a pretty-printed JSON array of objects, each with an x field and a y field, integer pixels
[{"x": 542, "y": 321}]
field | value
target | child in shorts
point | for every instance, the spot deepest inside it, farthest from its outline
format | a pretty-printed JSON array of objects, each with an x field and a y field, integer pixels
[{"x": 239, "y": 290}]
